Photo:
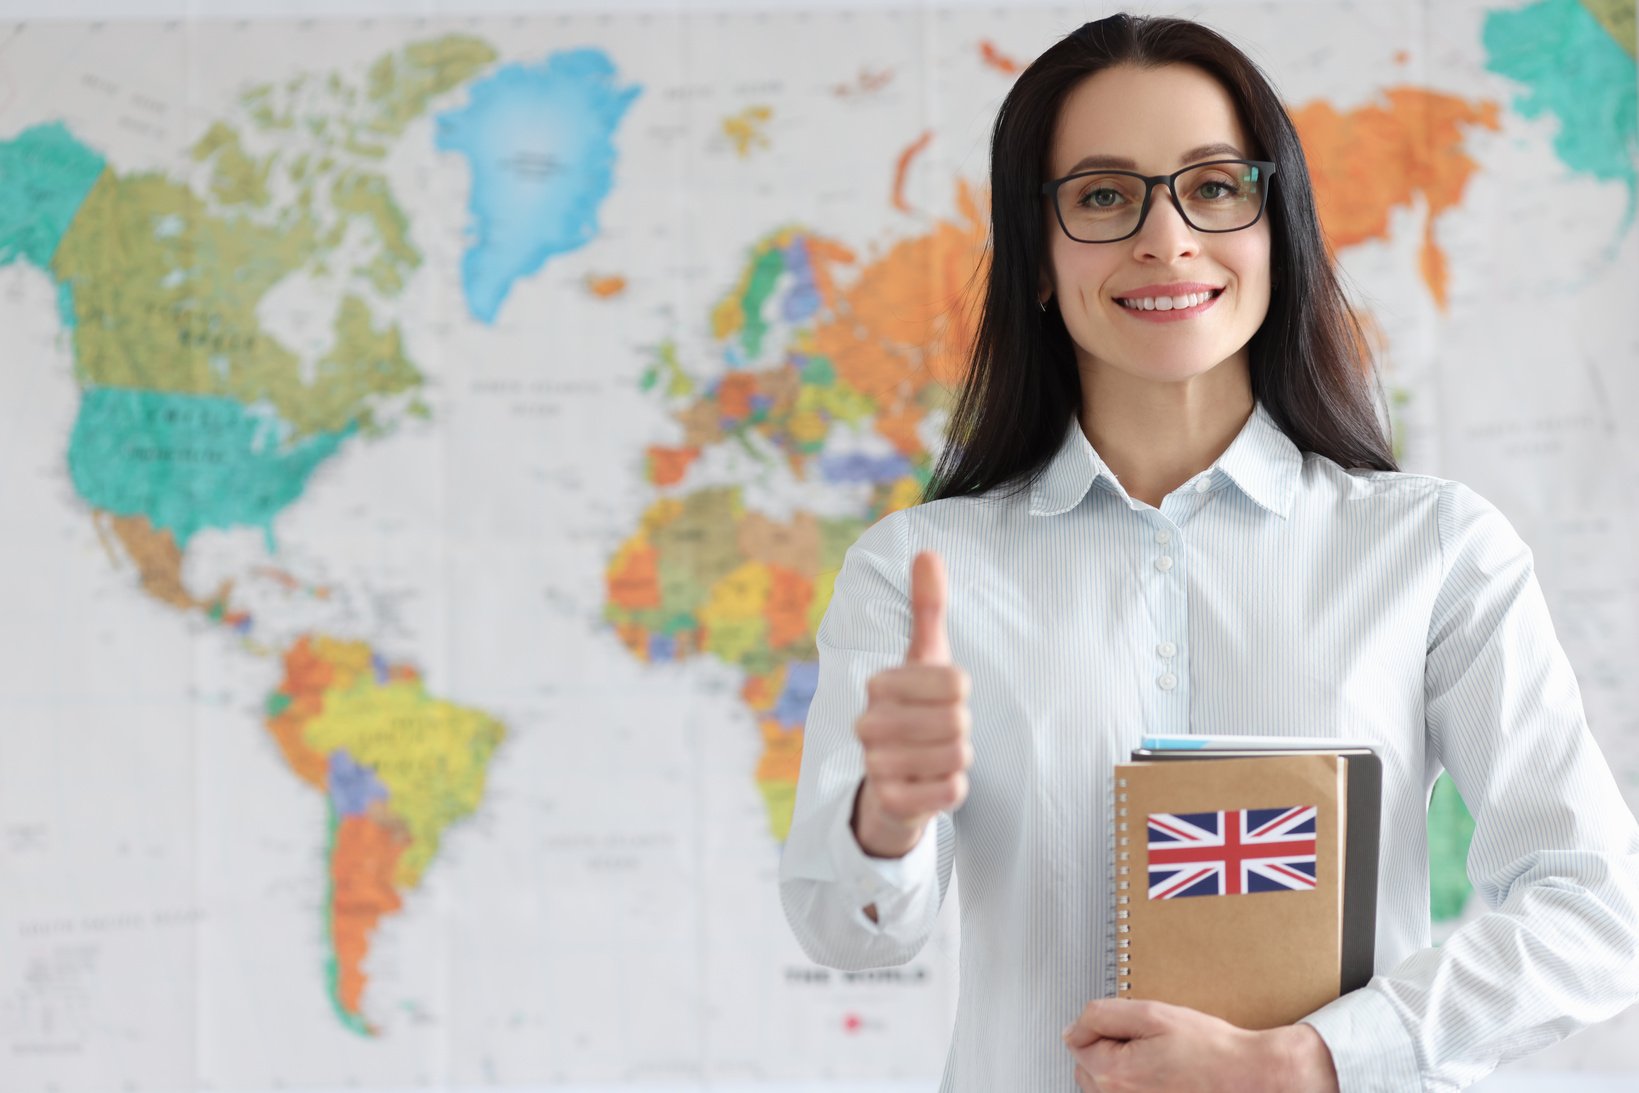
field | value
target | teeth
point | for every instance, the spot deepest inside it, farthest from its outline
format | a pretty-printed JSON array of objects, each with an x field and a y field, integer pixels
[{"x": 1167, "y": 303}]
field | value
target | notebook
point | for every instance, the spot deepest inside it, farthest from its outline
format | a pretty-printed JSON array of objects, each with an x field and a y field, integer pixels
[{"x": 1235, "y": 887}]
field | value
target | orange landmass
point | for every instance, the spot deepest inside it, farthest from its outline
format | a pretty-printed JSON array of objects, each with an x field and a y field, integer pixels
[
  {"x": 824, "y": 255},
  {"x": 156, "y": 556},
  {"x": 995, "y": 58},
  {"x": 782, "y": 752},
  {"x": 307, "y": 676},
  {"x": 908, "y": 320},
  {"x": 634, "y": 578},
  {"x": 761, "y": 692},
  {"x": 867, "y": 83},
  {"x": 605, "y": 288},
  {"x": 362, "y": 865},
  {"x": 734, "y": 394},
  {"x": 1377, "y": 158},
  {"x": 667, "y": 466},
  {"x": 789, "y": 598},
  {"x": 904, "y": 166}
]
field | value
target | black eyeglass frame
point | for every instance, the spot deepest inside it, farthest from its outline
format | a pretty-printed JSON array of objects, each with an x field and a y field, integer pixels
[{"x": 1050, "y": 191}]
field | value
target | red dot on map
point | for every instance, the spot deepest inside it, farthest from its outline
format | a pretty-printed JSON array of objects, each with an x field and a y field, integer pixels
[{"x": 852, "y": 1023}]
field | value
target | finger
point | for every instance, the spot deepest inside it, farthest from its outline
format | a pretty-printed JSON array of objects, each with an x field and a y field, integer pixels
[
  {"x": 892, "y": 724},
  {"x": 918, "y": 764},
  {"x": 929, "y": 643},
  {"x": 1085, "y": 1082},
  {"x": 925, "y": 683},
  {"x": 1114, "y": 1019},
  {"x": 901, "y": 798}
]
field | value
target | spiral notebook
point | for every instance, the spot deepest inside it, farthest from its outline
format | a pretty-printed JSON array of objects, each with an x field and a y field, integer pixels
[{"x": 1235, "y": 890}]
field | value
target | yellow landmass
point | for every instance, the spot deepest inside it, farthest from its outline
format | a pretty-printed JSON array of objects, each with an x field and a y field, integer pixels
[
  {"x": 432, "y": 755},
  {"x": 1617, "y": 17},
  {"x": 742, "y": 594},
  {"x": 748, "y": 129}
]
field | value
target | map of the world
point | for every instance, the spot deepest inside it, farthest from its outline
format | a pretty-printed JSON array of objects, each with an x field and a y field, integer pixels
[{"x": 427, "y": 446}]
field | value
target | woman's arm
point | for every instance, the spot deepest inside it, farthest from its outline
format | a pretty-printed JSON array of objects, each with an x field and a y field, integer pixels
[
  {"x": 847, "y": 909},
  {"x": 1555, "y": 853}
]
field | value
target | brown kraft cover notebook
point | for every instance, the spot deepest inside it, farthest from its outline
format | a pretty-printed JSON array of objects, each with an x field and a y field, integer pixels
[{"x": 1229, "y": 884}]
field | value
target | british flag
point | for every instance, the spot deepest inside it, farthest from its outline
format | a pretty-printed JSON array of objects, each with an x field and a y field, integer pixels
[{"x": 1232, "y": 852}]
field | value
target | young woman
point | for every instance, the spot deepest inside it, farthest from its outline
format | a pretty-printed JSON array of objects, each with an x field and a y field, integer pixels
[{"x": 1169, "y": 507}]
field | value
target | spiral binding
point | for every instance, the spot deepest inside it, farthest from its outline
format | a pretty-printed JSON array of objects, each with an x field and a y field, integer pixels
[{"x": 1123, "y": 887}]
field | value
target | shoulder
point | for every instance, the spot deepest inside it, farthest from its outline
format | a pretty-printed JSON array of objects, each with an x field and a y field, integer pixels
[{"x": 1462, "y": 520}]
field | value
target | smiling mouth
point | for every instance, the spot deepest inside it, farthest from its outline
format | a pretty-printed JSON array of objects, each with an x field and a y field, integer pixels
[{"x": 1169, "y": 303}]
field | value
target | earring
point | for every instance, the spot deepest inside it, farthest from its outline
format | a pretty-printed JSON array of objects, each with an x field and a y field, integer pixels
[{"x": 1043, "y": 304}]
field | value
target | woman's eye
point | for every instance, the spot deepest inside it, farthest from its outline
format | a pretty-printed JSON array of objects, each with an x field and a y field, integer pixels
[
  {"x": 1214, "y": 189},
  {"x": 1101, "y": 198}
]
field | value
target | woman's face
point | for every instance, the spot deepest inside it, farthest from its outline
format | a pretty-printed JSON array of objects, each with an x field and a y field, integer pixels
[{"x": 1160, "y": 119}]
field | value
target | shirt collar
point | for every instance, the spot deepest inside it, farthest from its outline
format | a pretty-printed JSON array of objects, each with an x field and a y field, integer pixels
[{"x": 1261, "y": 461}]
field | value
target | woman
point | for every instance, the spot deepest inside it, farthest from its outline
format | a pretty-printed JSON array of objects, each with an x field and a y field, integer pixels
[{"x": 1173, "y": 509}]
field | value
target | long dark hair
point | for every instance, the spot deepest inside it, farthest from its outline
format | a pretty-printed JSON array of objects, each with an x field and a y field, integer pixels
[{"x": 1311, "y": 366}]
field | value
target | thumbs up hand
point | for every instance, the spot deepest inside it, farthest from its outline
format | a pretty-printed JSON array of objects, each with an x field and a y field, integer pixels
[{"x": 914, "y": 729}]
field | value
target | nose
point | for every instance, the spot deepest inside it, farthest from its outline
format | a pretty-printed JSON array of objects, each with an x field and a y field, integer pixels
[{"x": 1165, "y": 235}]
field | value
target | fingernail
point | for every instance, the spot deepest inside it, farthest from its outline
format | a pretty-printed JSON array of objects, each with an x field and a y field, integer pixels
[{"x": 1065, "y": 1035}]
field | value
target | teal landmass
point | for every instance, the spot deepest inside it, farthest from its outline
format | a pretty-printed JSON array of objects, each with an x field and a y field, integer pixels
[
  {"x": 539, "y": 140},
  {"x": 45, "y": 174},
  {"x": 1577, "y": 72},
  {"x": 1450, "y": 830},
  {"x": 189, "y": 462}
]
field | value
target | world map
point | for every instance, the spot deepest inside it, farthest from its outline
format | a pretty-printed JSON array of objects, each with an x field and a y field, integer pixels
[{"x": 433, "y": 445}]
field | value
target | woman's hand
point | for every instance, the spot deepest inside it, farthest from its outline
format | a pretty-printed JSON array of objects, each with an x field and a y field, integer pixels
[
  {"x": 1125, "y": 1046},
  {"x": 914, "y": 729}
]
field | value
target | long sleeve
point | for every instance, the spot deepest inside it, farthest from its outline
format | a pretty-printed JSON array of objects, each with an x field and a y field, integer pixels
[
  {"x": 826, "y": 880},
  {"x": 1555, "y": 853}
]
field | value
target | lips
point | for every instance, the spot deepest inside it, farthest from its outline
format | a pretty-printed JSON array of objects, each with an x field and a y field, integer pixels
[{"x": 1166, "y": 309}]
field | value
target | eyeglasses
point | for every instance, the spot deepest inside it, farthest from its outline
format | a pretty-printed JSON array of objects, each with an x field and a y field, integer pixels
[{"x": 1220, "y": 195}]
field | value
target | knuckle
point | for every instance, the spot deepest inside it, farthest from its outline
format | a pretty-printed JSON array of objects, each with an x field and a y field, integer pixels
[{"x": 892, "y": 796}]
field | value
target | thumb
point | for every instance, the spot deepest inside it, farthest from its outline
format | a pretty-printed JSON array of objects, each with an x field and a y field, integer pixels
[
  {"x": 1113, "y": 1019},
  {"x": 929, "y": 644}
]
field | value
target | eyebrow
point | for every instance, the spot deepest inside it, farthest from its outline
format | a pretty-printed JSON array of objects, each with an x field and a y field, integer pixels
[{"x": 1205, "y": 151}]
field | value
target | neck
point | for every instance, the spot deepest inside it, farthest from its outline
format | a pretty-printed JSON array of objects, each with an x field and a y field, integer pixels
[{"x": 1155, "y": 436}]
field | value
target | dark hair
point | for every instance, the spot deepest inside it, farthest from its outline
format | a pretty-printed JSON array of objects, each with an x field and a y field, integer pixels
[{"x": 1311, "y": 366}]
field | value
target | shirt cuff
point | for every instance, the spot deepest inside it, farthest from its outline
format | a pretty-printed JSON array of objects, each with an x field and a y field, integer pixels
[
  {"x": 889, "y": 883},
  {"x": 1371, "y": 1049}
]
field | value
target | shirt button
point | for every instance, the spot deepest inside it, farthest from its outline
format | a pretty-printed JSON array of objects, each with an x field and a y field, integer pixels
[
  {"x": 1163, "y": 536},
  {"x": 1202, "y": 485},
  {"x": 1163, "y": 563},
  {"x": 1167, "y": 682},
  {"x": 1166, "y": 649}
]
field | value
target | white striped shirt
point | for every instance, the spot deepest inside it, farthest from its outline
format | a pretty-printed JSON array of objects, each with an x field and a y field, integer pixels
[{"x": 1274, "y": 593}]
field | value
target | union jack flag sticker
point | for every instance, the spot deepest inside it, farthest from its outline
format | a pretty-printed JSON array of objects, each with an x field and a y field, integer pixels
[{"x": 1231, "y": 853}]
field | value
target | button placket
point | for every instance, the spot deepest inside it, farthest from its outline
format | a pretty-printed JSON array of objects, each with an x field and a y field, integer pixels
[{"x": 1167, "y": 595}]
